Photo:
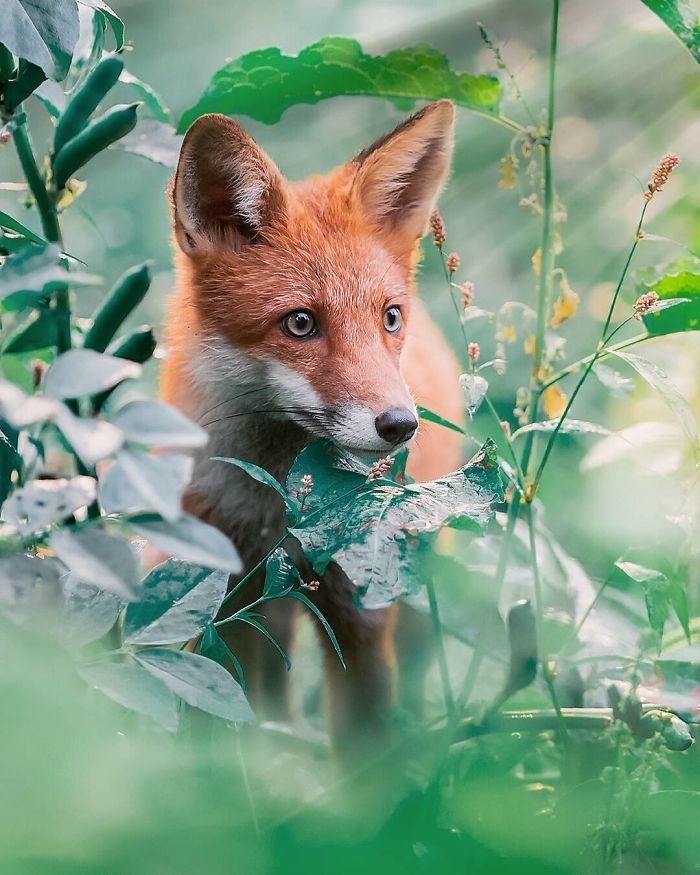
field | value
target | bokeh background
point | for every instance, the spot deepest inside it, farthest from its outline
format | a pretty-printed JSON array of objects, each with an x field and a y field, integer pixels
[{"x": 628, "y": 92}]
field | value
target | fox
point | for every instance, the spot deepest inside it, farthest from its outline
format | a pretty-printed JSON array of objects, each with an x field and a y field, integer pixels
[{"x": 294, "y": 316}]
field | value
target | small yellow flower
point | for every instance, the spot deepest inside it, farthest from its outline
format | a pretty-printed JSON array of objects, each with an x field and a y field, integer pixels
[
  {"x": 554, "y": 402},
  {"x": 508, "y": 173},
  {"x": 566, "y": 304},
  {"x": 537, "y": 262}
]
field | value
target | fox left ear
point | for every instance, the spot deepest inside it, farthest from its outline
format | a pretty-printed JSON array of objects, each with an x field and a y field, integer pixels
[{"x": 400, "y": 176}]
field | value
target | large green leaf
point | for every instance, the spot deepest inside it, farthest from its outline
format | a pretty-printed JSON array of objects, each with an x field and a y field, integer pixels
[
  {"x": 683, "y": 19},
  {"x": 178, "y": 600},
  {"x": 190, "y": 539},
  {"x": 263, "y": 84},
  {"x": 201, "y": 682},
  {"x": 682, "y": 317},
  {"x": 377, "y": 532},
  {"x": 43, "y": 32},
  {"x": 114, "y": 20},
  {"x": 98, "y": 558},
  {"x": 36, "y": 271},
  {"x": 135, "y": 688}
]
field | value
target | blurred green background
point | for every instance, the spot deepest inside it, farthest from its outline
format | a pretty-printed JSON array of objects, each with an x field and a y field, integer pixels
[{"x": 86, "y": 790}]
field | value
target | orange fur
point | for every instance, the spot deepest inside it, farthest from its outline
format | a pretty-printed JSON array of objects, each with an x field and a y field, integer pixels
[{"x": 254, "y": 247}]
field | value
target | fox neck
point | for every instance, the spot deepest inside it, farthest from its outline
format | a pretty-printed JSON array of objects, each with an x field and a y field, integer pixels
[{"x": 232, "y": 400}]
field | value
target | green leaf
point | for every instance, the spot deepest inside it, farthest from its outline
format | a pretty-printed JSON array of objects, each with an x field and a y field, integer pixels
[
  {"x": 157, "y": 424},
  {"x": 138, "y": 481},
  {"x": 156, "y": 140},
  {"x": 429, "y": 416},
  {"x": 38, "y": 332},
  {"x": 681, "y": 16},
  {"x": 299, "y": 596},
  {"x": 246, "y": 618},
  {"x": 334, "y": 473},
  {"x": 658, "y": 380},
  {"x": 152, "y": 100},
  {"x": 201, "y": 682},
  {"x": 281, "y": 575},
  {"x": 34, "y": 272},
  {"x": 214, "y": 647},
  {"x": 94, "y": 556},
  {"x": 569, "y": 426},
  {"x": 29, "y": 78},
  {"x": 88, "y": 612},
  {"x": 43, "y": 32},
  {"x": 613, "y": 380},
  {"x": 377, "y": 534},
  {"x": 80, "y": 372},
  {"x": 264, "y": 477},
  {"x": 656, "y": 592},
  {"x": 135, "y": 688},
  {"x": 114, "y": 20},
  {"x": 190, "y": 539},
  {"x": 681, "y": 317},
  {"x": 178, "y": 600},
  {"x": 263, "y": 84}
]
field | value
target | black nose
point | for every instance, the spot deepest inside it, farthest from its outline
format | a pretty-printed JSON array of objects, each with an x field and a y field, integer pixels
[{"x": 396, "y": 425}]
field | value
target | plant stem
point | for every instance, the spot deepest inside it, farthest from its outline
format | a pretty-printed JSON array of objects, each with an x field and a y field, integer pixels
[
  {"x": 574, "y": 366},
  {"x": 539, "y": 620},
  {"x": 50, "y": 226},
  {"x": 242, "y": 582},
  {"x": 441, "y": 655}
]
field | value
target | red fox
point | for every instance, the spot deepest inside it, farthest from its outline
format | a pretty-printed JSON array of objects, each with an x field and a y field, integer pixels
[{"x": 294, "y": 317}]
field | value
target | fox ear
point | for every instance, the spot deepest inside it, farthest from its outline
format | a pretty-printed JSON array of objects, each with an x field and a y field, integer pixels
[
  {"x": 400, "y": 176},
  {"x": 226, "y": 190}
]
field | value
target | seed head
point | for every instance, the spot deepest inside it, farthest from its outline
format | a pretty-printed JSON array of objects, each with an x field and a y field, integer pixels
[
  {"x": 311, "y": 585},
  {"x": 660, "y": 175},
  {"x": 437, "y": 228},
  {"x": 505, "y": 425},
  {"x": 380, "y": 468},
  {"x": 467, "y": 290},
  {"x": 644, "y": 303},
  {"x": 453, "y": 262},
  {"x": 473, "y": 352},
  {"x": 307, "y": 484}
]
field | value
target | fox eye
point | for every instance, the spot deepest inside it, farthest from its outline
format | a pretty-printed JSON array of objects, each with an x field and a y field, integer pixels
[
  {"x": 299, "y": 324},
  {"x": 392, "y": 319}
]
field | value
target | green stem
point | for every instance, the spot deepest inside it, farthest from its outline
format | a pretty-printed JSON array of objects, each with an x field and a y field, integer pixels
[
  {"x": 574, "y": 366},
  {"x": 539, "y": 621},
  {"x": 441, "y": 655},
  {"x": 242, "y": 582}
]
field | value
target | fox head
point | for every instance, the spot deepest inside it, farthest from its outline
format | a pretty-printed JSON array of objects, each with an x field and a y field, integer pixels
[{"x": 302, "y": 290}]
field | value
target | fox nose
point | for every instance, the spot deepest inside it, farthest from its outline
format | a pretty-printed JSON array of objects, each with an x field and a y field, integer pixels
[{"x": 396, "y": 425}]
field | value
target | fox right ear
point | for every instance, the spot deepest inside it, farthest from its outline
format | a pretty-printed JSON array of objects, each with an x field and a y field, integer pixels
[{"x": 226, "y": 190}]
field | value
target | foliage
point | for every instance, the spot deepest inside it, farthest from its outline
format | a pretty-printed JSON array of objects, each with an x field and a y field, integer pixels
[{"x": 88, "y": 468}]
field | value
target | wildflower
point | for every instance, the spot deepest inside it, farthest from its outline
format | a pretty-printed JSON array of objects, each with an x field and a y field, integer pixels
[
  {"x": 644, "y": 303},
  {"x": 437, "y": 228},
  {"x": 312, "y": 585},
  {"x": 453, "y": 262},
  {"x": 554, "y": 402},
  {"x": 467, "y": 290},
  {"x": 566, "y": 304},
  {"x": 307, "y": 484},
  {"x": 473, "y": 352},
  {"x": 5, "y": 137},
  {"x": 660, "y": 175},
  {"x": 509, "y": 169},
  {"x": 380, "y": 468}
]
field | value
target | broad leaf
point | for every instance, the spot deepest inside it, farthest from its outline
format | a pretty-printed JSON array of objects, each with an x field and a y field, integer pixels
[
  {"x": 34, "y": 272},
  {"x": 190, "y": 539},
  {"x": 681, "y": 316},
  {"x": 658, "y": 380},
  {"x": 613, "y": 380},
  {"x": 201, "y": 682},
  {"x": 157, "y": 424},
  {"x": 27, "y": 584},
  {"x": 88, "y": 612},
  {"x": 40, "y": 503},
  {"x": 178, "y": 600},
  {"x": 474, "y": 389},
  {"x": 138, "y": 481},
  {"x": 654, "y": 446},
  {"x": 656, "y": 592},
  {"x": 43, "y": 32},
  {"x": 81, "y": 372},
  {"x": 376, "y": 533},
  {"x": 20, "y": 409},
  {"x": 37, "y": 332},
  {"x": 92, "y": 439},
  {"x": 153, "y": 139},
  {"x": 152, "y": 100},
  {"x": 263, "y": 476},
  {"x": 134, "y": 688},
  {"x": 97, "y": 557},
  {"x": 263, "y": 84},
  {"x": 683, "y": 19},
  {"x": 334, "y": 474}
]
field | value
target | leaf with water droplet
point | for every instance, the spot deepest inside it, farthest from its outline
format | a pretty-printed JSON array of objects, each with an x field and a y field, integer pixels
[{"x": 474, "y": 388}]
